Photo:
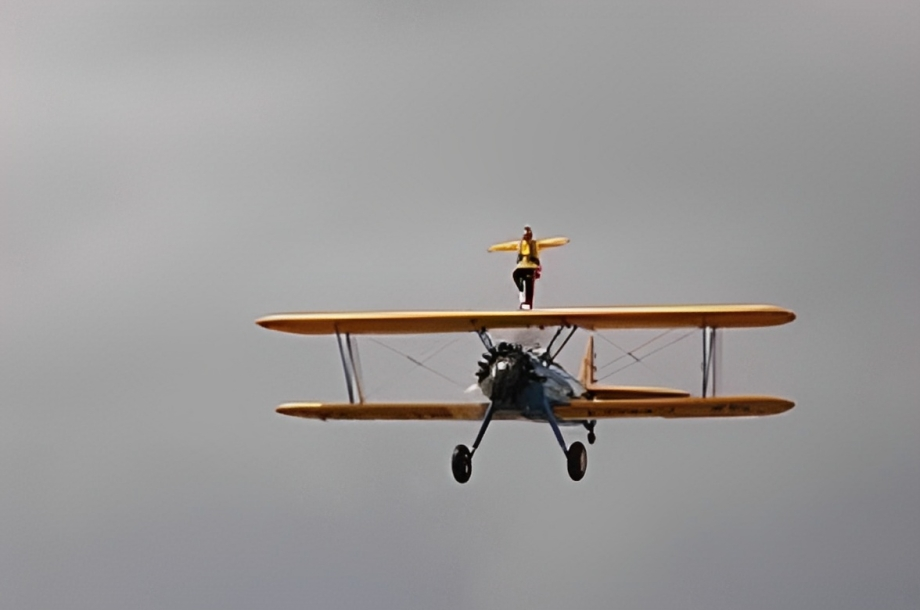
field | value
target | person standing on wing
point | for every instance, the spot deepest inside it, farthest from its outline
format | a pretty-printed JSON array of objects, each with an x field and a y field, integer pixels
[{"x": 528, "y": 268}]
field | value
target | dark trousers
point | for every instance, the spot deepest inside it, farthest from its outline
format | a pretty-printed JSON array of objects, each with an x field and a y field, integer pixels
[{"x": 524, "y": 280}]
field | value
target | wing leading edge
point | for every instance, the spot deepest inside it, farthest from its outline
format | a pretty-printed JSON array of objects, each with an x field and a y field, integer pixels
[
  {"x": 721, "y": 406},
  {"x": 590, "y": 318}
]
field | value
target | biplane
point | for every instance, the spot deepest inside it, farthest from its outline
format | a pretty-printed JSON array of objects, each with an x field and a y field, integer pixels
[{"x": 527, "y": 383}]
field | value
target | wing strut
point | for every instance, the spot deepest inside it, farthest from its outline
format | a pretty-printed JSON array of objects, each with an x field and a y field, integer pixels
[
  {"x": 351, "y": 363},
  {"x": 486, "y": 339},
  {"x": 352, "y": 344},
  {"x": 552, "y": 357},
  {"x": 709, "y": 359}
]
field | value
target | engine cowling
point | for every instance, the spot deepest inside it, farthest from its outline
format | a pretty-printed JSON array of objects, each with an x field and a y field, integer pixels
[{"x": 504, "y": 372}]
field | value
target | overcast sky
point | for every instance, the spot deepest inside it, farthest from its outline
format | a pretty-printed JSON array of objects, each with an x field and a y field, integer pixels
[{"x": 171, "y": 171}]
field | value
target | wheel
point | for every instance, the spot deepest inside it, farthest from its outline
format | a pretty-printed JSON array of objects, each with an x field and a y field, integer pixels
[
  {"x": 461, "y": 463},
  {"x": 577, "y": 458},
  {"x": 591, "y": 438}
]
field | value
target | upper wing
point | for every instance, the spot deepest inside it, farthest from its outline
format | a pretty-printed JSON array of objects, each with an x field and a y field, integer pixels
[
  {"x": 579, "y": 409},
  {"x": 512, "y": 246},
  {"x": 591, "y": 318}
]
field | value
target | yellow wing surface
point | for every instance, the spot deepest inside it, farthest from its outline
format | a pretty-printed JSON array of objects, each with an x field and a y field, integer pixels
[
  {"x": 590, "y": 318},
  {"x": 512, "y": 246},
  {"x": 720, "y": 406}
]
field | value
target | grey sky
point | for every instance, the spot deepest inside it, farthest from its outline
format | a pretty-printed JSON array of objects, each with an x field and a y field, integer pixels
[{"x": 172, "y": 171}]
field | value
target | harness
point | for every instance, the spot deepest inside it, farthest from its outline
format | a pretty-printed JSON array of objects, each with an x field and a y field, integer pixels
[{"x": 531, "y": 248}]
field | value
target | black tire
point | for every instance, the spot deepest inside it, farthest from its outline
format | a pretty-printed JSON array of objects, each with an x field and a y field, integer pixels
[
  {"x": 577, "y": 460},
  {"x": 461, "y": 463}
]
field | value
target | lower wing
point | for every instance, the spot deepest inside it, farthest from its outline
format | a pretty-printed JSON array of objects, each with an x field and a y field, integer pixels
[
  {"x": 579, "y": 409},
  {"x": 689, "y": 406},
  {"x": 385, "y": 410}
]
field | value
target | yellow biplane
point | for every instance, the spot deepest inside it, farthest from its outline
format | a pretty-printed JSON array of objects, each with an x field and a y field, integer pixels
[{"x": 526, "y": 383}]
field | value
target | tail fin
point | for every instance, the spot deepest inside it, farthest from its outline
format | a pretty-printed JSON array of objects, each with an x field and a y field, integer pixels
[{"x": 587, "y": 370}]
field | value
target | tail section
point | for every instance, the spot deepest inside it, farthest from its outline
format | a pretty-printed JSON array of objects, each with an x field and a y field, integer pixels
[{"x": 587, "y": 376}]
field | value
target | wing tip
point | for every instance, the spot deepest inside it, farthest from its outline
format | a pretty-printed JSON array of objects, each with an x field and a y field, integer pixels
[
  {"x": 783, "y": 405},
  {"x": 278, "y": 322},
  {"x": 308, "y": 410},
  {"x": 267, "y": 321}
]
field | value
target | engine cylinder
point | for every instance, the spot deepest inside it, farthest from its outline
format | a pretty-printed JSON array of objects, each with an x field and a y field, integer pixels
[{"x": 504, "y": 372}]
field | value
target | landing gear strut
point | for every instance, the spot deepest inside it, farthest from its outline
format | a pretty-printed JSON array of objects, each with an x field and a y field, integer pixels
[
  {"x": 461, "y": 462},
  {"x": 576, "y": 456}
]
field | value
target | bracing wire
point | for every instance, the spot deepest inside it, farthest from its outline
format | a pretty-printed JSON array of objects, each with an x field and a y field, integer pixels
[
  {"x": 639, "y": 359},
  {"x": 420, "y": 362},
  {"x": 631, "y": 353}
]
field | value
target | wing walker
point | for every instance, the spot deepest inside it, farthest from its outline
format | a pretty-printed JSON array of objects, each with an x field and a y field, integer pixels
[
  {"x": 528, "y": 268},
  {"x": 526, "y": 383}
]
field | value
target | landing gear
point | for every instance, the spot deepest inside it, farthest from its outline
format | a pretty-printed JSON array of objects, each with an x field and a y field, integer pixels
[
  {"x": 508, "y": 376},
  {"x": 589, "y": 426},
  {"x": 461, "y": 463},
  {"x": 577, "y": 460}
]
